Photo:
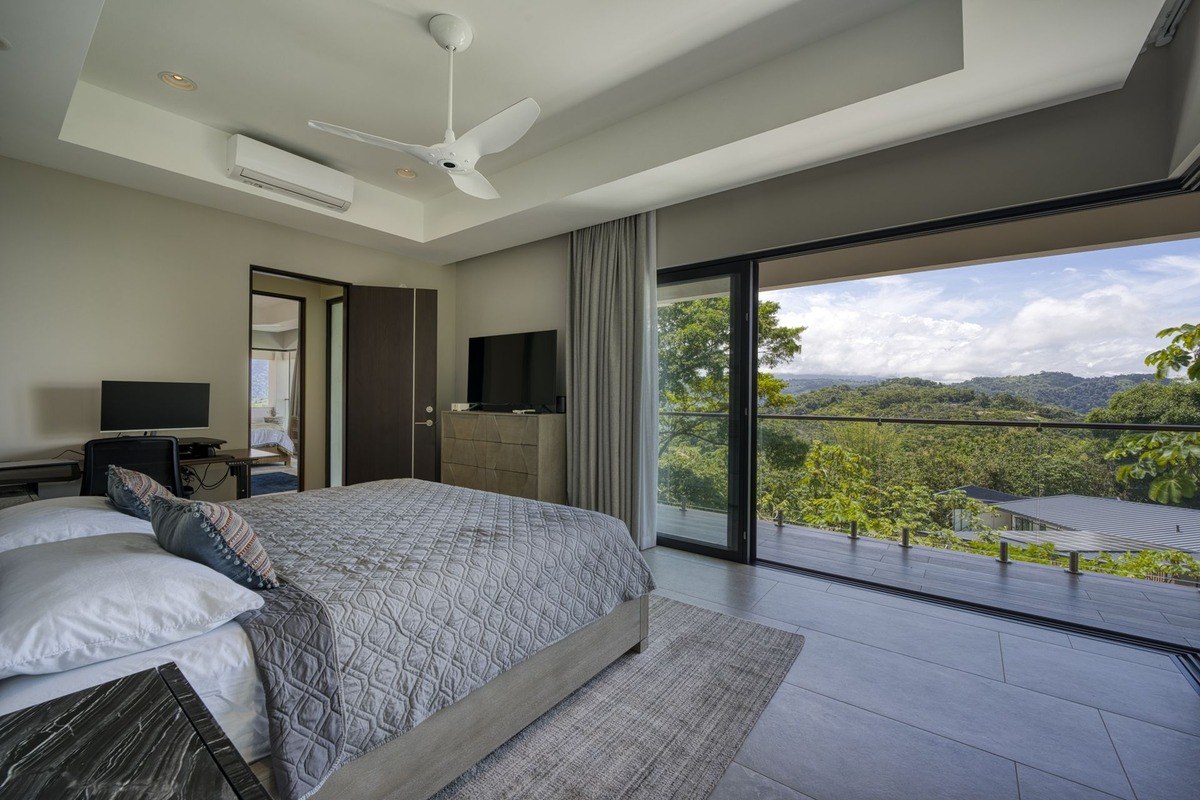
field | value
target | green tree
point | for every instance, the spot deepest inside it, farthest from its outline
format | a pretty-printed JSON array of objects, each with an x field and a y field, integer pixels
[
  {"x": 1169, "y": 462},
  {"x": 694, "y": 360}
]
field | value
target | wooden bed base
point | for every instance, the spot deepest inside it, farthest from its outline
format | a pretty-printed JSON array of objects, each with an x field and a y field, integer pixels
[{"x": 447, "y": 744}]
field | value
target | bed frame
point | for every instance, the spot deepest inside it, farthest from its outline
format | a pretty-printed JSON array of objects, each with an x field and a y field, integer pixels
[{"x": 447, "y": 744}]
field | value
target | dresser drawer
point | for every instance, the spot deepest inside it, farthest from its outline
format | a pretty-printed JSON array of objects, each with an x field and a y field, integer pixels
[
  {"x": 517, "y": 484},
  {"x": 518, "y": 454},
  {"x": 494, "y": 455}
]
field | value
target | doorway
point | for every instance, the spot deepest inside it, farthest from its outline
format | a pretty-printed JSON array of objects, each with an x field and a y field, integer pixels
[
  {"x": 292, "y": 401},
  {"x": 706, "y": 390},
  {"x": 276, "y": 391}
]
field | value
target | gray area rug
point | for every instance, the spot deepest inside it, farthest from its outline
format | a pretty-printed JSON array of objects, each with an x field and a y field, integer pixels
[{"x": 660, "y": 724}]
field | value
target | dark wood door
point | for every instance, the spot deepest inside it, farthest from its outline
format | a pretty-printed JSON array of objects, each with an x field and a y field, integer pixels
[
  {"x": 425, "y": 437},
  {"x": 391, "y": 368}
]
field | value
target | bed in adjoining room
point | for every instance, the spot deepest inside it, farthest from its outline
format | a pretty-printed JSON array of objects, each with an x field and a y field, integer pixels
[
  {"x": 272, "y": 436},
  {"x": 416, "y": 627}
]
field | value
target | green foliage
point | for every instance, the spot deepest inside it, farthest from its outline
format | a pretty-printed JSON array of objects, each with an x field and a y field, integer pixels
[
  {"x": 1167, "y": 462},
  {"x": 896, "y": 476},
  {"x": 695, "y": 334},
  {"x": 1182, "y": 353},
  {"x": 1174, "y": 403},
  {"x": 1062, "y": 389}
]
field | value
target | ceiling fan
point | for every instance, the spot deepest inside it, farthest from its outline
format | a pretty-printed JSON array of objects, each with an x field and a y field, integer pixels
[{"x": 457, "y": 157}]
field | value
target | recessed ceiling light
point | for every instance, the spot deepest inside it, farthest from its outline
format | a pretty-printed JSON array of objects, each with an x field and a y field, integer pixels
[
  {"x": 406, "y": 173},
  {"x": 177, "y": 81}
]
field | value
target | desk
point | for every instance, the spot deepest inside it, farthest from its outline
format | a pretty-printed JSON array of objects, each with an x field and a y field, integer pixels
[
  {"x": 19, "y": 479},
  {"x": 238, "y": 462}
]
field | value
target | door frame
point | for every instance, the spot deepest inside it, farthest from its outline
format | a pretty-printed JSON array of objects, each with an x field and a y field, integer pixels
[
  {"x": 329, "y": 304},
  {"x": 301, "y": 357},
  {"x": 743, "y": 415}
]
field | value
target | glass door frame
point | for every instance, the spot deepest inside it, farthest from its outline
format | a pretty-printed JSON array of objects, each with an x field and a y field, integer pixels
[{"x": 743, "y": 422}]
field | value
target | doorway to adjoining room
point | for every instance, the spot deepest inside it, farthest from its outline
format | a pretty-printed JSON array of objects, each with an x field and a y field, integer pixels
[{"x": 295, "y": 387}]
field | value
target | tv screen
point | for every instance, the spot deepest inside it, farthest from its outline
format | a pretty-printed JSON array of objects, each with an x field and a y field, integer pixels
[
  {"x": 516, "y": 370},
  {"x": 152, "y": 406}
]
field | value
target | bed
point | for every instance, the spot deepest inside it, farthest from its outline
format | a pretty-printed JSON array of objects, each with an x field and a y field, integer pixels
[
  {"x": 273, "y": 436},
  {"x": 418, "y": 628}
]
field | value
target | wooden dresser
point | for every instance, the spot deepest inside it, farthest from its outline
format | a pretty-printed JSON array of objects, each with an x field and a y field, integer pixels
[{"x": 524, "y": 455}]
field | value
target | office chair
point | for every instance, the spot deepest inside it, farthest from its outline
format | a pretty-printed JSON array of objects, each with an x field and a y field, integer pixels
[{"x": 156, "y": 456}]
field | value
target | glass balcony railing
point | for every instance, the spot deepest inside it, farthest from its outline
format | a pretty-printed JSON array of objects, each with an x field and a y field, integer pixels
[{"x": 1100, "y": 498}]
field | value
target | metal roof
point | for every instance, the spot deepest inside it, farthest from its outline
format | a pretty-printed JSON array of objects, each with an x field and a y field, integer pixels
[
  {"x": 1169, "y": 526},
  {"x": 1082, "y": 541},
  {"x": 983, "y": 494}
]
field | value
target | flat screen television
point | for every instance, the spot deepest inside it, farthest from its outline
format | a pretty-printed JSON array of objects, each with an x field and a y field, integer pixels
[
  {"x": 152, "y": 406},
  {"x": 513, "y": 371}
]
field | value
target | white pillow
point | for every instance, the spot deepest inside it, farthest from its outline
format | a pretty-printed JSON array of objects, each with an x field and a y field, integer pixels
[
  {"x": 64, "y": 518},
  {"x": 72, "y": 603}
]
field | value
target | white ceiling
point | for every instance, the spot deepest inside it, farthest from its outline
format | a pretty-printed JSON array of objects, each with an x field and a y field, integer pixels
[
  {"x": 274, "y": 314},
  {"x": 644, "y": 103}
]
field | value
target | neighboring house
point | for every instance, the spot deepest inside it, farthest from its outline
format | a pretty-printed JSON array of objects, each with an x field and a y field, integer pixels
[
  {"x": 964, "y": 521},
  {"x": 1166, "y": 526}
]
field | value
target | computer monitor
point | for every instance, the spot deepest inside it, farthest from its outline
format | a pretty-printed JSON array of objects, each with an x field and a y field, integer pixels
[{"x": 152, "y": 406}]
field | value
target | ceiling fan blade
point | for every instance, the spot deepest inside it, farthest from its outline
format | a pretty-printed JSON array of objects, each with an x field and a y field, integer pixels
[
  {"x": 501, "y": 131},
  {"x": 474, "y": 184},
  {"x": 423, "y": 153}
]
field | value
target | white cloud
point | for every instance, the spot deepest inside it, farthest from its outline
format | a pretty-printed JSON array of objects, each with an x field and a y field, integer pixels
[{"x": 954, "y": 325}]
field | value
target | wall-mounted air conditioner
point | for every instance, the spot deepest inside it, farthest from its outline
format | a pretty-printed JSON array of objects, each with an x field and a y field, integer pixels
[{"x": 269, "y": 167}]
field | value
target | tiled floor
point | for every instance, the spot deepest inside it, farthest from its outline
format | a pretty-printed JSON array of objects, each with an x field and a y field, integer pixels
[
  {"x": 1157, "y": 611},
  {"x": 894, "y": 698}
]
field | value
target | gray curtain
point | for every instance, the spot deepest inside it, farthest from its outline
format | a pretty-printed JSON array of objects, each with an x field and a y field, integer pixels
[{"x": 612, "y": 374}]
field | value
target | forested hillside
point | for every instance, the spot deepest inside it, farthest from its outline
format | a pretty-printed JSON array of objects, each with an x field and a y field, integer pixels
[
  {"x": 1061, "y": 389},
  {"x": 915, "y": 397}
]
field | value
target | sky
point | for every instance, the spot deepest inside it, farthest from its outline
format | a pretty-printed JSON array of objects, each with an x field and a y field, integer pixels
[{"x": 1090, "y": 314}]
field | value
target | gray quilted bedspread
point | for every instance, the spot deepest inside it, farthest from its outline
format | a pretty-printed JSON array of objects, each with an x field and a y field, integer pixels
[{"x": 403, "y": 596}]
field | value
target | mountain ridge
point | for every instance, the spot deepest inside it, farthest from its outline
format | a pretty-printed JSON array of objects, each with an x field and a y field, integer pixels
[{"x": 1062, "y": 389}]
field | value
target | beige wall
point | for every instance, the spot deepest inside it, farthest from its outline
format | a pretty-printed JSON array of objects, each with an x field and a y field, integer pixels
[
  {"x": 520, "y": 289},
  {"x": 1115, "y": 139},
  {"x": 1149, "y": 220},
  {"x": 99, "y": 281}
]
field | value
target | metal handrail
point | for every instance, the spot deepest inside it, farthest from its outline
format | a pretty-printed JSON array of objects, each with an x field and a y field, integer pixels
[{"x": 985, "y": 423}]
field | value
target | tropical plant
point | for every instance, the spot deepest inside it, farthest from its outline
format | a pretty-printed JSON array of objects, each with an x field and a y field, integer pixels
[{"x": 1169, "y": 461}]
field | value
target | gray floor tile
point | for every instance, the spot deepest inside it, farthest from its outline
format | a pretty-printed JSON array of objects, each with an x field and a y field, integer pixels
[
  {"x": 1038, "y": 785},
  {"x": 940, "y": 641},
  {"x": 1162, "y": 764},
  {"x": 711, "y": 582},
  {"x": 761, "y": 571},
  {"x": 1135, "y": 690},
  {"x": 1046, "y": 732},
  {"x": 951, "y": 614},
  {"x": 740, "y": 783},
  {"x": 1137, "y": 655},
  {"x": 834, "y": 751},
  {"x": 733, "y": 612}
]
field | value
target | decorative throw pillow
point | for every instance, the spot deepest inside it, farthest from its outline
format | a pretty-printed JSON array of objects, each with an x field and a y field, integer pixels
[
  {"x": 131, "y": 491},
  {"x": 215, "y": 536}
]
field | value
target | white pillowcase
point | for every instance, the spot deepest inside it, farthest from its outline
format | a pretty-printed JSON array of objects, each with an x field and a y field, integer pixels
[
  {"x": 72, "y": 603},
  {"x": 64, "y": 518}
]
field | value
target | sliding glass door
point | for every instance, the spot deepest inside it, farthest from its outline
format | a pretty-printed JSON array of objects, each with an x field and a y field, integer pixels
[{"x": 705, "y": 388}]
